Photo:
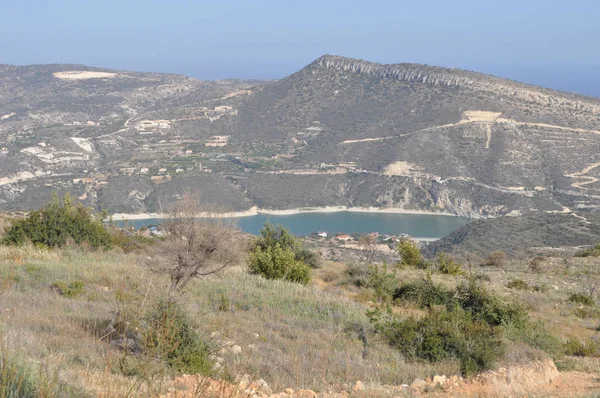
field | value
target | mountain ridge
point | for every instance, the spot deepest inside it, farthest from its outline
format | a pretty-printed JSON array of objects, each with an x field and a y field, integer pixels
[
  {"x": 414, "y": 72},
  {"x": 339, "y": 132}
]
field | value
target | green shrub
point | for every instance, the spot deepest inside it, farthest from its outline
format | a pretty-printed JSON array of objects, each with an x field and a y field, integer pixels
[
  {"x": 20, "y": 379},
  {"x": 224, "y": 302},
  {"x": 535, "y": 334},
  {"x": 309, "y": 257},
  {"x": 271, "y": 235},
  {"x": 383, "y": 282},
  {"x": 446, "y": 265},
  {"x": 170, "y": 337},
  {"x": 586, "y": 312},
  {"x": 278, "y": 263},
  {"x": 497, "y": 258},
  {"x": 424, "y": 292},
  {"x": 71, "y": 290},
  {"x": 468, "y": 324},
  {"x": 276, "y": 254},
  {"x": 473, "y": 320},
  {"x": 357, "y": 274},
  {"x": 591, "y": 252},
  {"x": 410, "y": 255},
  {"x": 58, "y": 223},
  {"x": 443, "y": 335},
  {"x": 473, "y": 297},
  {"x": 579, "y": 348},
  {"x": 16, "y": 379},
  {"x": 543, "y": 288},
  {"x": 579, "y": 298},
  {"x": 518, "y": 284},
  {"x": 128, "y": 241}
]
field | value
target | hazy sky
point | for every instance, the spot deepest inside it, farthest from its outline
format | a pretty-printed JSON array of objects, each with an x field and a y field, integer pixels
[{"x": 548, "y": 42}]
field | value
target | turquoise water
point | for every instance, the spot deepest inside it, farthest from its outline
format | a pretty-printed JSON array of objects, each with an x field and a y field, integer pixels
[{"x": 416, "y": 225}]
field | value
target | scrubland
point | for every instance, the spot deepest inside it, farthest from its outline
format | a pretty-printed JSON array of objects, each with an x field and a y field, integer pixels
[{"x": 59, "y": 307}]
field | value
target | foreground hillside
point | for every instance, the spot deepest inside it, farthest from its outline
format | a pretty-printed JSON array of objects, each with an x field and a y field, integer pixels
[
  {"x": 57, "y": 305},
  {"x": 339, "y": 132}
]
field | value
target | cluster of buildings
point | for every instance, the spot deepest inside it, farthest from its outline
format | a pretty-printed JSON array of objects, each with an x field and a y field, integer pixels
[
  {"x": 377, "y": 235},
  {"x": 217, "y": 141},
  {"x": 152, "y": 124}
]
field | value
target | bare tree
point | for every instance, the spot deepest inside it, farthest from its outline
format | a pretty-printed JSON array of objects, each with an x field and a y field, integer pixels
[
  {"x": 194, "y": 244},
  {"x": 591, "y": 282},
  {"x": 471, "y": 260},
  {"x": 368, "y": 245}
]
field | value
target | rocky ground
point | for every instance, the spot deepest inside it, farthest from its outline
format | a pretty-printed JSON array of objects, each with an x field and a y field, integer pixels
[{"x": 541, "y": 379}]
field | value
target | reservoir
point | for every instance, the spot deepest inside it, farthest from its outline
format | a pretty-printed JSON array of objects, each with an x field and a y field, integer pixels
[{"x": 426, "y": 226}]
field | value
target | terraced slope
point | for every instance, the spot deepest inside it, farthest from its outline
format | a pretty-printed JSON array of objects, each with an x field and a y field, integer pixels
[{"x": 338, "y": 132}]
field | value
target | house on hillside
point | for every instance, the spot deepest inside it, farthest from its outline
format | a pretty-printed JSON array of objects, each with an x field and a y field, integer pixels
[
  {"x": 322, "y": 234},
  {"x": 217, "y": 141},
  {"x": 343, "y": 237},
  {"x": 149, "y": 124}
]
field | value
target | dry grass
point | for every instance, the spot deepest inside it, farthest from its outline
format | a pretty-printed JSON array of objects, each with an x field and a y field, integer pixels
[
  {"x": 60, "y": 332},
  {"x": 290, "y": 335},
  {"x": 296, "y": 336},
  {"x": 306, "y": 337}
]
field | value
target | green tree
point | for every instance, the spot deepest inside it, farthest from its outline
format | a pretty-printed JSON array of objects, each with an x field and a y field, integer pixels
[
  {"x": 270, "y": 235},
  {"x": 57, "y": 223},
  {"x": 410, "y": 255},
  {"x": 277, "y": 254},
  {"x": 447, "y": 265},
  {"x": 170, "y": 336}
]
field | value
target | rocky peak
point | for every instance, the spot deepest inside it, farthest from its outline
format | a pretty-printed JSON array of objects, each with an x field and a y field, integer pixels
[
  {"x": 404, "y": 71},
  {"x": 473, "y": 81}
]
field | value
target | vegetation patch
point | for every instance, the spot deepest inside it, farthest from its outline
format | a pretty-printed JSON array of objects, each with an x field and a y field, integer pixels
[
  {"x": 591, "y": 252},
  {"x": 277, "y": 254},
  {"x": 582, "y": 348},
  {"x": 579, "y": 298},
  {"x": 58, "y": 223},
  {"x": 410, "y": 255},
  {"x": 171, "y": 337},
  {"x": 20, "y": 379},
  {"x": 518, "y": 284},
  {"x": 497, "y": 258},
  {"x": 72, "y": 290},
  {"x": 383, "y": 282},
  {"x": 447, "y": 265},
  {"x": 424, "y": 293},
  {"x": 443, "y": 335},
  {"x": 468, "y": 324}
]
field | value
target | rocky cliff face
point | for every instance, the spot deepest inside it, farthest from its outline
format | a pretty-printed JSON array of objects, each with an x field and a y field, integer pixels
[{"x": 431, "y": 75}]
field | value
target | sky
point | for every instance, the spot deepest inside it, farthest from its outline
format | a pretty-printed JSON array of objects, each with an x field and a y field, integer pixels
[{"x": 546, "y": 42}]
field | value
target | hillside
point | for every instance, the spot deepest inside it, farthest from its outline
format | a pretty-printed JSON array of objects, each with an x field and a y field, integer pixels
[
  {"x": 59, "y": 308},
  {"x": 516, "y": 235},
  {"x": 338, "y": 132},
  {"x": 201, "y": 310}
]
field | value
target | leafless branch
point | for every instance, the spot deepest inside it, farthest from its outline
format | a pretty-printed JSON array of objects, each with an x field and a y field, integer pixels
[{"x": 194, "y": 245}]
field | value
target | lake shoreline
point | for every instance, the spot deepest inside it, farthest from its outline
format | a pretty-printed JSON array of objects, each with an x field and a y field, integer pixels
[{"x": 256, "y": 211}]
